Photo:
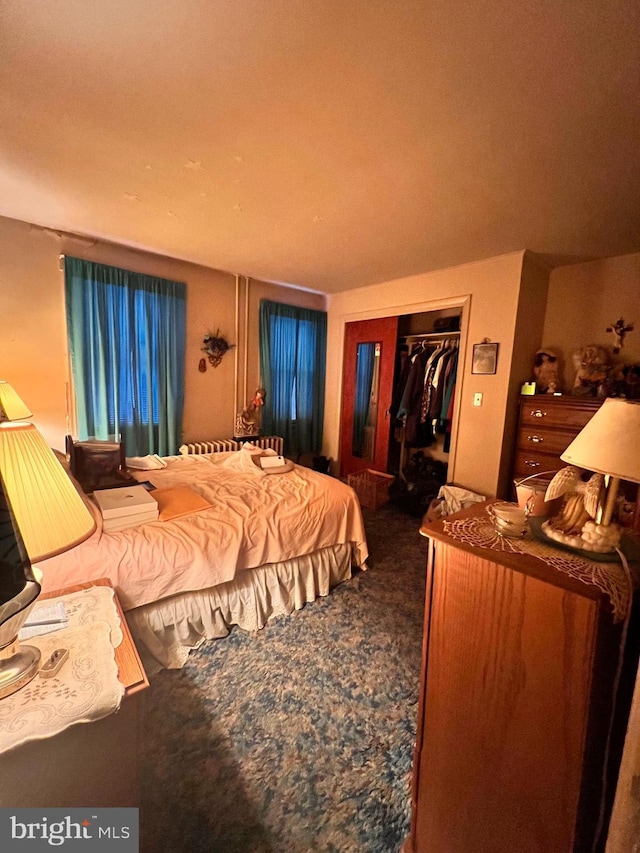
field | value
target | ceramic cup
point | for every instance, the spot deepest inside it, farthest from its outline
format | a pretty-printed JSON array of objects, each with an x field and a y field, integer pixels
[{"x": 508, "y": 519}]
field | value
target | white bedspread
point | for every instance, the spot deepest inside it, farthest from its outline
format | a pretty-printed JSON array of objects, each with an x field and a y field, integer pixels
[{"x": 256, "y": 519}]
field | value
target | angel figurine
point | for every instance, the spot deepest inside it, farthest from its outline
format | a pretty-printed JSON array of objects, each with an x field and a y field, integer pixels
[
  {"x": 576, "y": 524},
  {"x": 248, "y": 421}
]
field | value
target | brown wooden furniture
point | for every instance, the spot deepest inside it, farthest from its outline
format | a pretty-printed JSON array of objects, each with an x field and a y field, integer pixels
[
  {"x": 516, "y": 705},
  {"x": 130, "y": 670},
  {"x": 89, "y": 764},
  {"x": 546, "y": 427}
]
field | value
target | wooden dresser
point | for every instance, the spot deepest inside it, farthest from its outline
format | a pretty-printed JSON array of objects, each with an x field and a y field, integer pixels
[
  {"x": 516, "y": 704},
  {"x": 546, "y": 427}
]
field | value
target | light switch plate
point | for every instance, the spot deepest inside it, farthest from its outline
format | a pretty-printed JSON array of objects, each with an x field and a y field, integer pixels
[{"x": 477, "y": 399}]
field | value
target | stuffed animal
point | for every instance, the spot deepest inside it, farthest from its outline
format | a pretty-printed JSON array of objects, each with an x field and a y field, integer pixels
[{"x": 592, "y": 364}]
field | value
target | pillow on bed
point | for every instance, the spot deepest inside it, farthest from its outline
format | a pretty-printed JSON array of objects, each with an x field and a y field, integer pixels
[{"x": 177, "y": 501}]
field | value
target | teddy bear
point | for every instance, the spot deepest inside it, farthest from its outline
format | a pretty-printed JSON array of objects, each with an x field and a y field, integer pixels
[{"x": 592, "y": 364}]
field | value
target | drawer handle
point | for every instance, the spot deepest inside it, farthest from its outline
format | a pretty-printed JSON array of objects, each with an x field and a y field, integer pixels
[
  {"x": 535, "y": 439},
  {"x": 530, "y": 464},
  {"x": 538, "y": 413}
]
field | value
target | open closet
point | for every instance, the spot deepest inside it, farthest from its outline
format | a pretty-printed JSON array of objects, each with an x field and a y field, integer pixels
[{"x": 398, "y": 395}]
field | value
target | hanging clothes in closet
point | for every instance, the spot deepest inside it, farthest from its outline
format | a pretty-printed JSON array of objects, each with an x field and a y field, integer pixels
[
  {"x": 443, "y": 412},
  {"x": 425, "y": 392}
]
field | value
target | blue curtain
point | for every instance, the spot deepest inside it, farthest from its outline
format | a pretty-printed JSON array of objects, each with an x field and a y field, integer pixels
[
  {"x": 364, "y": 378},
  {"x": 126, "y": 336},
  {"x": 293, "y": 348}
]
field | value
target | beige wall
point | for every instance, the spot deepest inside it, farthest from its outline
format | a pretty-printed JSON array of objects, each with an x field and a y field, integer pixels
[
  {"x": 534, "y": 284},
  {"x": 33, "y": 344},
  {"x": 490, "y": 291},
  {"x": 586, "y": 298},
  {"x": 505, "y": 298},
  {"x": 517, "y": 302}
]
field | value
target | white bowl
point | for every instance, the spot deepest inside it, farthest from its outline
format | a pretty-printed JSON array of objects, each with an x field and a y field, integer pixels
[{"x": 508, "y": 519}]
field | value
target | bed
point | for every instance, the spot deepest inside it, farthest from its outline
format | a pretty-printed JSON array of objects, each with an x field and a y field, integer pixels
[{"x": 262, "y": 545}]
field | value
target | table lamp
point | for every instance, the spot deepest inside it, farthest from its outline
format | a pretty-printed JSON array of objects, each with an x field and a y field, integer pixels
[
  {"x": 609, "y": 445},
  {"x": 11, "y": 406},
  {"x": 41, "y": 514}
]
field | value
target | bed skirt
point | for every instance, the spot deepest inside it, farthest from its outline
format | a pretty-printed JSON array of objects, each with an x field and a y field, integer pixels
[{"x": 166, "y": 631}]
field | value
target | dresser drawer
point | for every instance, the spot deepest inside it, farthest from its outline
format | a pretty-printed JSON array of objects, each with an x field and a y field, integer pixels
[
  {"x": 546, "y": 427},
  {"x": 529, "y": 462},
  {"x": 555, "y": 412},
  {"x": 545, "y": 440}
]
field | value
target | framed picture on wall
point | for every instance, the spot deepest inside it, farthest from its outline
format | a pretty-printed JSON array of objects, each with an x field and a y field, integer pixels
[{"x": 485, "y": 358}]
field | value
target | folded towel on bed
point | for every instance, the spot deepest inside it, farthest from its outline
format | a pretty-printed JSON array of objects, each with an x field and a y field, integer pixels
[
  {"x": 177, "y": 501},
  {"x": 145, "y": 463}
]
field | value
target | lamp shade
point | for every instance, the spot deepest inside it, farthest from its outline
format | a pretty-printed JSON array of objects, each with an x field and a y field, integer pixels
[
  {"x": 11, "y": 406},
  {"x": 50, "y": 513},
  {"x": 610, "y": 442}
]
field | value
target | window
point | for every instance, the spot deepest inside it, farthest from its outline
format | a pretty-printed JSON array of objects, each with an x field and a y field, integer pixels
[
  {"x": 293, "y": 345},
  {"x": 126, "y": 336}
]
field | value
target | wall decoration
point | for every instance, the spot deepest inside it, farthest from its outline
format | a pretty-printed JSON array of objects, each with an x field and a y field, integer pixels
[
  {"x": 485, "y": 357},
  {"x": 202, "y": 365},
  {"x": 619, "y": 329},
  {"x": 248, "y": 420},
  {"x": 215, "y": 347}
]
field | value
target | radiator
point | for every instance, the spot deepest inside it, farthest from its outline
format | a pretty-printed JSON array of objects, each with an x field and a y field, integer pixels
[
  {"x": 270, "y": 442},
  {"x": 265, "y": 442}
]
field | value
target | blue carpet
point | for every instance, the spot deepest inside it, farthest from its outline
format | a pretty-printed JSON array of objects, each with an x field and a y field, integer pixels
[{"x": 299, "y": 737}]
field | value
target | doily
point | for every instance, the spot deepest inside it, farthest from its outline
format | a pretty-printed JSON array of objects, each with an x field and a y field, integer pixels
[
  {"x": 86, "y": 688},
  {"x": 610, "y": 578},
  {"x": 94, "y": 604}
]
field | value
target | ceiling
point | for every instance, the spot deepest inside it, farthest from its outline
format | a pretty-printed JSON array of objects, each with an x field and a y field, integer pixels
[{"x": 327, "y": 144}]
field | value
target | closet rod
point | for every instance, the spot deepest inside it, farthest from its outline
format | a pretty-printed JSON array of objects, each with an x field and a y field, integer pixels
[{"x": 430, "y": 335}]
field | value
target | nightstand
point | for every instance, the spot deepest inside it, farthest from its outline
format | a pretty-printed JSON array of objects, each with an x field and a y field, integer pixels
[{"x": 88, "y": 764}]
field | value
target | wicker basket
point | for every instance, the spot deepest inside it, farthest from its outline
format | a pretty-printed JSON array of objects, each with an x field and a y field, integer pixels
[{"x": 372, "y": 487}]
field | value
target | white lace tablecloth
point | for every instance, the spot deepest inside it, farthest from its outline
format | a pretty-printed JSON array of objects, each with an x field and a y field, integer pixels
[
  {"x": 611, "y": 578},
  {"x": 85, "y": 689}
]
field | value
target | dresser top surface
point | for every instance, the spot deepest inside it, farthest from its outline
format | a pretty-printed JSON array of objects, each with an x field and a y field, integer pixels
[
  {"x": 561, "y": 401},
  {"x": 529, "y": 557}
]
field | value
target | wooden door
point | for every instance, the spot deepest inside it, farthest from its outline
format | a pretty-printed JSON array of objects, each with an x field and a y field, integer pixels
[{"x": 364, "y": 436}]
